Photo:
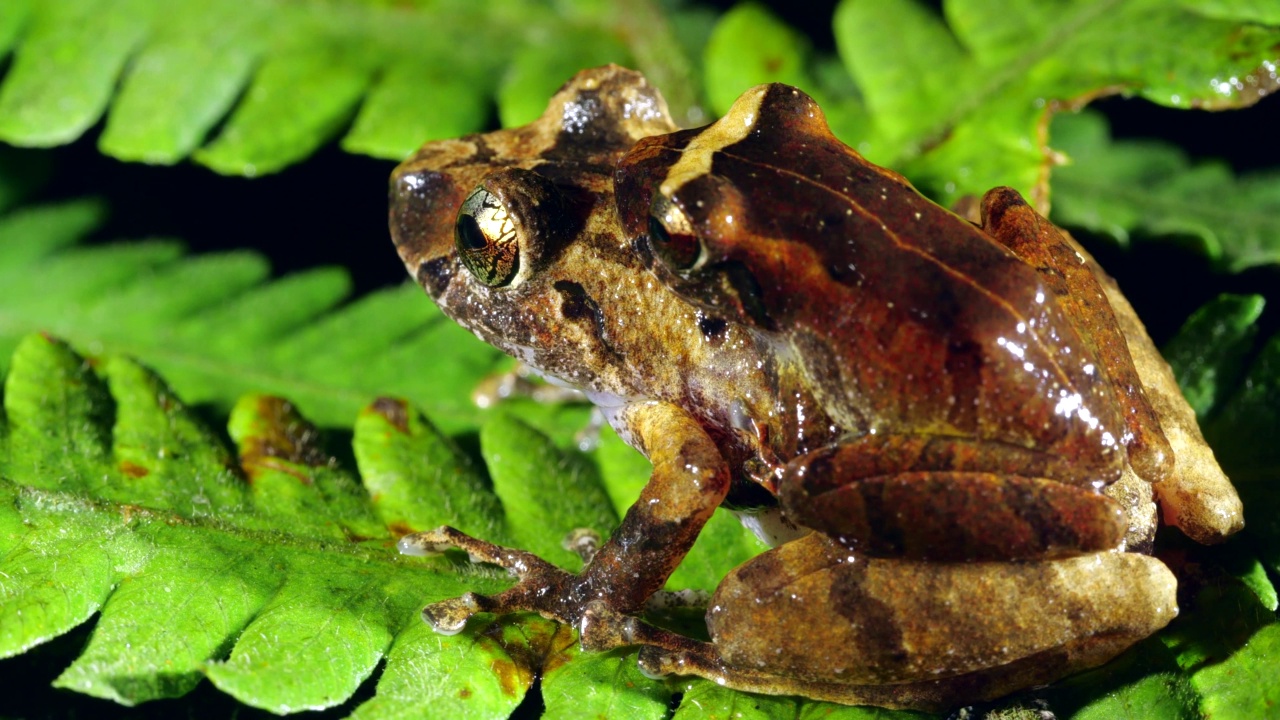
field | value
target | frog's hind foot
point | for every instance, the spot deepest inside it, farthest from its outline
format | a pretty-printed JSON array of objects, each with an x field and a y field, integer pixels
[
  {"x": 696, "y": 658},
  {"x": 449, "y": 617},
  {"x": 701, "y": 659}
]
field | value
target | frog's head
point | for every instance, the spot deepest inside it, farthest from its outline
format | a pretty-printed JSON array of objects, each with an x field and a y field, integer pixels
[{"x": 513, "y": 233}]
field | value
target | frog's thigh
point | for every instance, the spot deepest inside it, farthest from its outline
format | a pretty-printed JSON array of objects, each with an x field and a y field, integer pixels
[
  {"x": 947, "y": 499},
  {"x": 809, "y": 610}
]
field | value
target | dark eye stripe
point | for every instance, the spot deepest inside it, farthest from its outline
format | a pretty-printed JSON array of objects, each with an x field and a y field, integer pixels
[
  {"x": 435, "y": 275},
  {"x": 576, "y": 304}
]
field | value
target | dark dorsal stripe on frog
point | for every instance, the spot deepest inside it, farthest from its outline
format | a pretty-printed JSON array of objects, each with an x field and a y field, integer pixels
[{"x": 845, "y": 254}]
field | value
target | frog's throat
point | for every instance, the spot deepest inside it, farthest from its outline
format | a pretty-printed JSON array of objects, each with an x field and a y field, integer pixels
[{"x": 610, "y": 404}]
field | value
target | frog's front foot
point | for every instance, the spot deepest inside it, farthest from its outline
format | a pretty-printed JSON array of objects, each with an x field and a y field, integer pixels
[
  {"x": 603, "y": 609},
  {"x": 542, "y": 587}
]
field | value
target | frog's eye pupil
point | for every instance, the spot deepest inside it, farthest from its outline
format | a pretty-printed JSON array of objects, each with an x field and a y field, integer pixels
[
  {"x": 672, "y": 236},
  {"x": 469, "y": 235},
  {"x": 486, "y": 238}
]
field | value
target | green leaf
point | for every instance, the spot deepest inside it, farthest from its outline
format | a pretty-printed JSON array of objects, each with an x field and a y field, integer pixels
[
  {"x": 750, "y": 45},
  {"x": 486, "y": 670},
  {"x": 417, "y": 477},
  {"x": 1242, "y": 686},
  {"x": 413, "y": 103},
  {"x": 1228, "y": 644},
  {"x": 547, "y": 492},
  {"x": 1144, "y": 682},
  {"x": 161, "y": 113},
  {"x": 703, "y": 699},
  {"x": 1243, "y": 430},
  {"x": 295, "y": 104},
  {"x": 1242, "y": 433},
  {"x": 13, "y": 15},
  {"x": 602, "y": 685},
  {"x": 733, "y": 57},
  {"x": 541, "y": 68},
  {"x": 1251, "y": 573},
  {"x": 275, "y": 80},
  {"x": 1151, "y": 189},
  {"x": 957, "y": 102},
  {"x": 69, "y": 59},
  {"x": 115, "y": 499},
  {"x": 1208, "y": 354}
]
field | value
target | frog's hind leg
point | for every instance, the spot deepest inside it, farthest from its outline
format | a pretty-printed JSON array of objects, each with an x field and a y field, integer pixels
[
  {"x": 1167, "y": 444},
  {"x": 1076, "y": 282},
  {"x": 948, "y": 498},
  {"x": 811, "y": 618}
]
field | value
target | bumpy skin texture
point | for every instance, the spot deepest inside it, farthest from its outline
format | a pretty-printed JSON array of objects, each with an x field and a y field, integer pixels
[{"x": 953, "y": 409}]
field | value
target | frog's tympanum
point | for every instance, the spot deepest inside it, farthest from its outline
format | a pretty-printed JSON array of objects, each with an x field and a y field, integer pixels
[{"x": 963, "y": 429}]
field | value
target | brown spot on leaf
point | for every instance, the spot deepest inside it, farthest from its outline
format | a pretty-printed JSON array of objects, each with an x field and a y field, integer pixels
[
  {"x": 355, "y": 537},
  {"x": 399, "y": 528},
  {"x": 528, "y": 643},
  {"x": 133, "y": 469},
  {"x": 464, "y": 693},
  {"x": 394, "y": 410},
  {"x": 509, "y": 676},
  {"x": 281, "y": 441},
  {"x": 561, "y": 642}
]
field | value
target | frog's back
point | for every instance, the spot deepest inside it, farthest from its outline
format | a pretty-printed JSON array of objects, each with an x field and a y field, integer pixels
[{"x": 908, "y": 318}]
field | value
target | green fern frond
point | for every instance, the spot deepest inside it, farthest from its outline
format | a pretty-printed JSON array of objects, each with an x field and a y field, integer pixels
[{"x": 250, "y": 86}]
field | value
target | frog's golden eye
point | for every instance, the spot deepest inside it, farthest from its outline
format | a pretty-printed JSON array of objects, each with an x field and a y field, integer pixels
[
  {"x": 487, "y": 238},
  {"x": 671, "y": 235}
]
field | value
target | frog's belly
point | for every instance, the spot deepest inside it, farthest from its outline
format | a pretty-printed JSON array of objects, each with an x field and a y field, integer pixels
[{"x": 770, "y": 525}]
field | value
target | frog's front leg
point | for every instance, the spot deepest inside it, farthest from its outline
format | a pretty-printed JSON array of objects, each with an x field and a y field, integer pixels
[
  {"x": 689, "y": 480},
  {"x": 811, "y": 618}
]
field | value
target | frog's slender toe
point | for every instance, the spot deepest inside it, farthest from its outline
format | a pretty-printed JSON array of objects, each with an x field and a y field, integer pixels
[
  {"x": 434, "y": 542},
  {"x": 656, "y": 663},
  {"x": 583, "y": 542},
  {"x": 422, "y": 544},
  {"x": 700, "y": 659},
  {"x": 601, "y": 628},
  {"x": 449, "y": 617}
]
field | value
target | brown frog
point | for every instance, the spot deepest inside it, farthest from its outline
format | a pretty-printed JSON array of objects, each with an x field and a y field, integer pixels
[{"x": 961, "y": 424}]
